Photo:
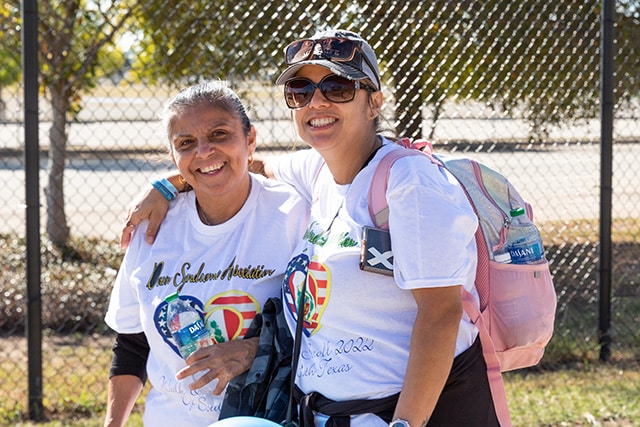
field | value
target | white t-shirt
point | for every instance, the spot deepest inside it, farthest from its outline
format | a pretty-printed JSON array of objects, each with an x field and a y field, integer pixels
[
  {"x": 358, "y": 324},
  {"x": 228, "y": 271}
]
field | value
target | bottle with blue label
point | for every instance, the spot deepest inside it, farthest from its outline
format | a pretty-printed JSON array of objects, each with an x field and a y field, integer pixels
[
  {"x": 186, "y": 326},
  {"x": 523, "y": 239}
]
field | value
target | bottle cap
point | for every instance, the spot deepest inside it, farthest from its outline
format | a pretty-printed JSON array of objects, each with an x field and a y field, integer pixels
[
  {"x": 172, "y": 297},
  {"x": 503, "y": 258},
  {"x": 516, "y": 212}
]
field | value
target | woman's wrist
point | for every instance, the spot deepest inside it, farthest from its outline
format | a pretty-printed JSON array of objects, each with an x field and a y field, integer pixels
[
  {"x": 171, "y": 186},
  {"x": 166, "y": 188}
]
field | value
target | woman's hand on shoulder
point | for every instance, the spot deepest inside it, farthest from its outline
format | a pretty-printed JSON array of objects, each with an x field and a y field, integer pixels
[
  {"x": 149, "y": 205},
  {"x": 261, "y": 166}
]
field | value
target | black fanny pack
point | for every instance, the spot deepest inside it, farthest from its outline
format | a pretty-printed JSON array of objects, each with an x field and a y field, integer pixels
[{"x": 340, "y": 412}]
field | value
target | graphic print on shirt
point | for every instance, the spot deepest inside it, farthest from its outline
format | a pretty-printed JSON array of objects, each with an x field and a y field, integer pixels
[
  {"x": 318, "y": 278},
  {"x": 227, "y": 316},
  {"x": 199, "y": 274}
]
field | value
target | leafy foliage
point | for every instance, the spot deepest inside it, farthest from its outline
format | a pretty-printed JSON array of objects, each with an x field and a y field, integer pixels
[
  {"x": 75, "y": 286},
  {"x": 183, "y": 42},
  {"x": 628, "y": 50},
  {"x": 10, "y": 36}
]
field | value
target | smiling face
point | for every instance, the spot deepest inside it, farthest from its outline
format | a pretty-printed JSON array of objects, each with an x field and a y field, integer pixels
[
  {"x": 211, "y": 150},
  {"x": 326, "y": 125}
]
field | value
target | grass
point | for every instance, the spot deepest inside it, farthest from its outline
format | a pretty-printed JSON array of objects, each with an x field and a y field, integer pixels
[
  {"x": 582, "y": 395},
  {"x": 74, "y": 378},
  {"x": 594, "y": 395}
]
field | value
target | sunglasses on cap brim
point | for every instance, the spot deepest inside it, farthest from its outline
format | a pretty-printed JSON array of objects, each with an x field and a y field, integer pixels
[
  {"x": 298, "y": 91},
  {"x": 334, "y": 48},
  {"x": 337, "y": 49}
]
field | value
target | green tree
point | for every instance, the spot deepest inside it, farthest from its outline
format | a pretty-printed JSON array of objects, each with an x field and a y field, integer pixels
[
  {"x": 186, "y": 41},
  {"x": 546, "y": 61},
  {"x": 526, "y": 58},
  {"x": 628, "y": 51},
  {"x": 224, "y": 39},
  {"x": 75, "y": 36},
  {"x": 10, "y": 67},
  {"x": 426, "y": 55}
]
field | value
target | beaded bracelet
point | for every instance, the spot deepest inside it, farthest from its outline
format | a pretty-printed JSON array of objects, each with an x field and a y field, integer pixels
[{"x": 165, "y": 188}]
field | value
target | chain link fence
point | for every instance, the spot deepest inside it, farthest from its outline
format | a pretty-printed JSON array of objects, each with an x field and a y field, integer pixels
[{"x": 515, "y": 85}]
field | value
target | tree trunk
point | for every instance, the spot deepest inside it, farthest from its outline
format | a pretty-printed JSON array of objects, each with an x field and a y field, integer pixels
[
  {"x": 57, "y": 228},
  {"x": 437, "y": 107},
  {"x": 409, "y": 100},
  {"x": 3, "y": 107}
]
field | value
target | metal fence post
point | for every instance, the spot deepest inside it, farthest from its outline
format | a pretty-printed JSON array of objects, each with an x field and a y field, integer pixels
[
  {"x": 32, "y": 170},
  {"x": 606, "y": 171}
]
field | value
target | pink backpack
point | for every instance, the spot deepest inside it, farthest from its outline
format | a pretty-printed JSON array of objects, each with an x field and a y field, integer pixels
[{"x": 517, "y": 301}]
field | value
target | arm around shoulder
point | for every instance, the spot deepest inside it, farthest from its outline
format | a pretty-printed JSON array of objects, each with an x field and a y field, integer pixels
[{"x": 262, "y": 166}]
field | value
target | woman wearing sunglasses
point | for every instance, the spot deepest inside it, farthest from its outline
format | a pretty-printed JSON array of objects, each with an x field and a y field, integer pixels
[{"x": 376, "y": 349}]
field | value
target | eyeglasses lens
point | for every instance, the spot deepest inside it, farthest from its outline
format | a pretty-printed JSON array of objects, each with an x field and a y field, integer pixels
[
  {"x": 332, "y": 48},
  {"x": 299, "y": 51},
  {"x": 338, "y": 89},
  {"x": 336, "y": 48},
  {"x": 298, "y": 91}
]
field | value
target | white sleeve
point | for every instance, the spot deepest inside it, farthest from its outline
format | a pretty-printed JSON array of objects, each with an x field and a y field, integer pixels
[
  {"x": 300, "y": 170},
  {"x": 432, "y": 226},
  {"x": 123, "y": 314}
]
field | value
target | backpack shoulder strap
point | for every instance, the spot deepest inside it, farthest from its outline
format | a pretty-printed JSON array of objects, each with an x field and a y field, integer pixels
[
  {"x": 494, "y": 374},
  {"x": 378, "y": 207}
]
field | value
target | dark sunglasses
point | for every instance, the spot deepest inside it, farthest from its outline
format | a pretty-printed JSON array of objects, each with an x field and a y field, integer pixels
[
  {"x": 299, "y": 91},
  {"x": 333, "y": 48}
]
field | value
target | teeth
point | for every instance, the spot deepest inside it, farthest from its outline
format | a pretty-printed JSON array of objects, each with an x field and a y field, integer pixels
[
  {"x": 321, "y": 122},
  {"x": 211, "y": 168}
]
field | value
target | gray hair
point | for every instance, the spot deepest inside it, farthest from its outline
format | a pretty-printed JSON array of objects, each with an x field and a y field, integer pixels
[{"x": 214, "y": 93}]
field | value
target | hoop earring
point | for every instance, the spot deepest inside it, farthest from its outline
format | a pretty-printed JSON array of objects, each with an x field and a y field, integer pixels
[{"x": 185, "y": 185}]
